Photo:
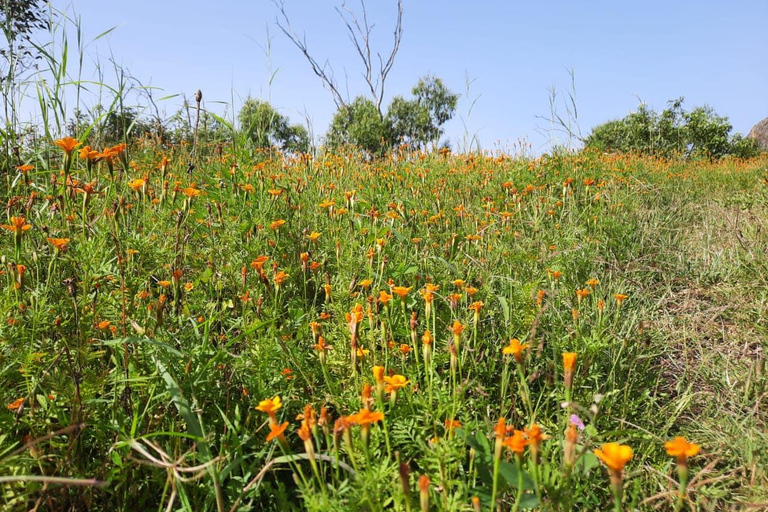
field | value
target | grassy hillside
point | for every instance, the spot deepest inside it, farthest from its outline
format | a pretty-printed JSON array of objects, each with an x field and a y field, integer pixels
[{"x": 153, "y": 314}]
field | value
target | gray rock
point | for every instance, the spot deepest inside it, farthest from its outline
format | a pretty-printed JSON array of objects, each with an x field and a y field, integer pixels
[{"x": 760, "y": 132}]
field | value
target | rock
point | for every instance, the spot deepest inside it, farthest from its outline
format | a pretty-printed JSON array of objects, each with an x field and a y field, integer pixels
[{"x": 760, "y": 133}]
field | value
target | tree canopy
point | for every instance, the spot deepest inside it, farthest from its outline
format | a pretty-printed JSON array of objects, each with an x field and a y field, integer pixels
[
  {"x": 19, "y": 19},
  {"x": 266, "y": 127},
  {"x": 418, "y": 121},
  {"x": 700, "y": 132}
]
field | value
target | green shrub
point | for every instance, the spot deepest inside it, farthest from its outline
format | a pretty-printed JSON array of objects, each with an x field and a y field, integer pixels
[{"x": 673, "y": 132}]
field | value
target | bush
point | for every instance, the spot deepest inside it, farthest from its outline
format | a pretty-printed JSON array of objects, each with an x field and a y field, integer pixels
[
  {"x": 416, "y": 121},
  {"x": 674, "y": 132},
  {"x": 361, "y": 125},
  {"x": 266, "y": 127}
]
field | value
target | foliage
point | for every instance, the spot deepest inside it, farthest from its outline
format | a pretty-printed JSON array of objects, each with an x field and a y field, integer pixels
[
  {"x": 696, "y": 133},
  {"x": 19, "y": 19},
  {"x": 419, "y": 121},
  {"x": 167, "y": 305},
  {"x": 161, "y": 317},
  {"x": 360, "y": 124},
  {"x": 266, "y": 127}
]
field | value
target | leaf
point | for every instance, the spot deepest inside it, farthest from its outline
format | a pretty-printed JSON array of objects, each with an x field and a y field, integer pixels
[
  {"x": 589, "y": 461},
  {"x": 148, "y": 341},
  {"x": 136, "y": 327},
  {"x": 504, "y": 308},
  {"x": 529, "y": 501},
  {"x": 509, "y": 471},
  {"x": 450, "y": 266},
  {"x": 478, "y": 442},
  {"x": 104, "y": 33},
  {"x": 399, "y": 235},
  {"x": 177, "y": 397},
  {"x": 483, "y": 441},
  {"x": 222, "y": 121},
  {"x": 205, "y": 277}
]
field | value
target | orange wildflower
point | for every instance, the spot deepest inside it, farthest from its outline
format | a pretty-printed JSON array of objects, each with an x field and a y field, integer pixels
[
  {"x": 569, "y": 363},
  {"x": 136, "y": 184},
  {"x": 18, "y": 225},
  {"x": 280, "y": 277},
  {"x": 515, "y": 348},
  {"x": 68, "y": 144},
  {"x": 365, "y": 417},
  {"x": 401, "y": 291},
  {"x": 395, "y": 382},
  {"x": 476, "y": 307},
  {"x": 516, "y": 442},
  {"x": 191, "y": 191},
  {"x": 424, "y": 492},
  {"x": 321, "y": 345},
  {"x": 15, "y": 405},
  {"x": 571, "y": 438},
  {"x": 680, "y": 448},
  {"x": 276, "y": 431},
  {"x": 270, "y": 406},
  {"x": 59, "y": 243},
  {"x": 535, "y": 437},
  {"x": 614, "y": 455},
  {"x": 457, "y": 328}
]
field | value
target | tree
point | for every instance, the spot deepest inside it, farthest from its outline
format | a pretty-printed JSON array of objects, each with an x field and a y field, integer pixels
[
  {"x": 359, "y": 124},
  {"x": 706, "y": 133},
  {"x": 266, "y": 127},
  {"x": 19, "y": 20},
  {"x": 419, "y": 121},
  {"x": 359, "y": 30},
  {"x": 696, "y": 133}
]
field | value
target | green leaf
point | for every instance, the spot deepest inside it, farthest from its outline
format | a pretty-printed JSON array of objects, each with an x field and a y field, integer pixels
[
  {"x": 148, "y": 341},
  {"x": 479, "y": 442},
  {"x": 509, "y": 471},
  {"x": 504, "y": 308},
  {"x": 449, "y": 266},
  {"x": 588, "y": 461},
  {"x": 529, "y": 501},
  {"x": 177, "y": 397}
]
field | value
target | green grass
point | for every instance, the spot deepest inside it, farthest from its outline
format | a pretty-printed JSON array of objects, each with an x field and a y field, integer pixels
[{"x": 165, "y": 393}]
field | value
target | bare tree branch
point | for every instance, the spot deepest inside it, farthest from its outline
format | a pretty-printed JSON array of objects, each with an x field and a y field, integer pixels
[
  {"x": 324, "y": 72},
  {"x": 385, "y": 68},
  {"x": 361, "y": 43},
  {"x": 359, "y": 30}
]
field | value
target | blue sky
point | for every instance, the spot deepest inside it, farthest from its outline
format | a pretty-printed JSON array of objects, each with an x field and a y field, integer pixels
[{"x": 711, "y": 52}]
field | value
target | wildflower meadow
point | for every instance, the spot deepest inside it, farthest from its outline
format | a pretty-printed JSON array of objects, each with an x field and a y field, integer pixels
[
  {"x": 425, "y": 332},
  {"x": 203, "y": 323}
]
